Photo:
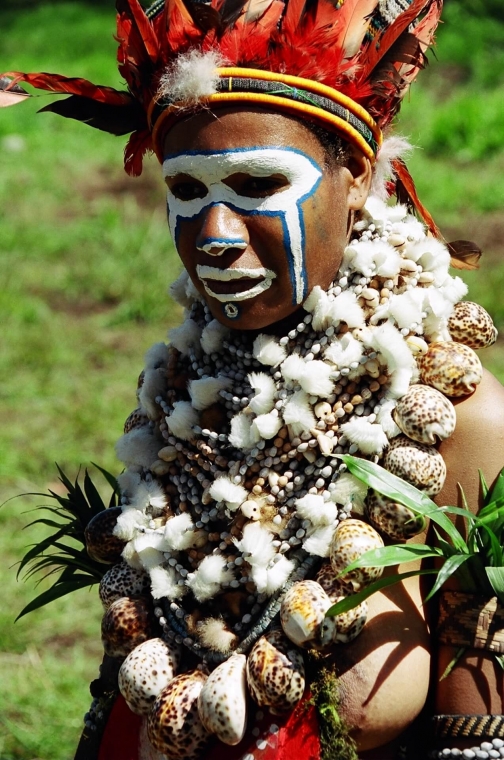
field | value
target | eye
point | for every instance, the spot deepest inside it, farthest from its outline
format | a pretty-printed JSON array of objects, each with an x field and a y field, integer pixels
[
  {"x": 249, "y": 186},
  {"x": 186, "y": 188}
]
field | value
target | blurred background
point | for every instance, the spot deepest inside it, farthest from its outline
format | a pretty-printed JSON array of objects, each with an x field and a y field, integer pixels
[{"x": 85, "y": 261}]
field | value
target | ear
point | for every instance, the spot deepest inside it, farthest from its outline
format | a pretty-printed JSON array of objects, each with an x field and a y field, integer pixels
[{"x": 359, "y": 176}]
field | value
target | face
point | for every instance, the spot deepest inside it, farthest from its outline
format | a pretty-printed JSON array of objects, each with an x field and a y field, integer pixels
[{"x": 257, "y": 216}]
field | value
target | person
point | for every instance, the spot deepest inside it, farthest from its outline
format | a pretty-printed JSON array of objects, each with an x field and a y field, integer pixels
[{"x": 313, "y": 313}]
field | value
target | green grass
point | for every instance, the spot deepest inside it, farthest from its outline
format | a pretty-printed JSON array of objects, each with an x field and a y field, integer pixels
[{"x": 85, "y": 264}]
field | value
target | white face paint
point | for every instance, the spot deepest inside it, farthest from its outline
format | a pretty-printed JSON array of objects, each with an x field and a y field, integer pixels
[
  {"x": 212, "y": 169},
  {"x": 238, "y": 273}
]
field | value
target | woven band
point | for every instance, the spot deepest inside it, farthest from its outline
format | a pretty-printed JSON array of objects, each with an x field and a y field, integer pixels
[
  {"x": 294, "y": 95},
  {"x": 468, "y": 726},
  {"x": 468, "y": 620}
]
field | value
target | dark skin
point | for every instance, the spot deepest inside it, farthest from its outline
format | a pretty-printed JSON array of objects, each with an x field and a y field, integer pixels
[{"x": 385, "y": 673}]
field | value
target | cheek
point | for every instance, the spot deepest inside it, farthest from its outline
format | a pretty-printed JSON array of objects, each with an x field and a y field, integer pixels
[{"x": 326, "y": 228}]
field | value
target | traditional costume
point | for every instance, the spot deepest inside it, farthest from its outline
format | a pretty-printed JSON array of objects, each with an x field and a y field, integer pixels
[{"x": 237, "y": 513}]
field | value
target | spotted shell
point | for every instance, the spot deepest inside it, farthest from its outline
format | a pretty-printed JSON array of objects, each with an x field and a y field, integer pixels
[
  {"x": 348, "y": 625},
  {"x": 101, "y": 544},
  {"x": 329, "y": 581},
  {"x": 452, "y": 368},
  {"x": 351, "y": 540},
  {"x": 137, "y": 419},
  {"x": 275, "y": 673},
  {"x": 425, "y": 415},
  {"x": 128, "y": 622},
  {"x": 145, "y": 672},
  {"x": 174, "y": 726},
  {"x": 393, "y": 519},
  {"x": 422, "y": 466},
  {"x": 471, "y": 325},
  {"x": 302, "y": 614},
  {"x": 222, "y": 702},
  {"x": 122, "y": 580}
]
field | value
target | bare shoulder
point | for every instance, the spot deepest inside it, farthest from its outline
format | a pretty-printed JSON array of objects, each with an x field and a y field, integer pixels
[{"x": 477, "y": 443}]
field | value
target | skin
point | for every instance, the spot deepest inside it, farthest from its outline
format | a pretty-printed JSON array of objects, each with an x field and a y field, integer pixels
[
  {"x": 385, "y": 673},
  {"x": 324, "y": 232}
]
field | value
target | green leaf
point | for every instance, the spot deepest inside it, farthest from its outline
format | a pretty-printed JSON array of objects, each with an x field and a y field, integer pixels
[
  {"x": 492, "y": 547},
  {"x": 450, "y": 566},
  {"x": 456, "y": 657},
  {"x": 499, "y": 659},
  {"x": 349, "y": 602},
  {"x": 399, "y": 490},
  {"x": 497, "y": 491},
  {"x": 55, "y": 592},
  {"x": 496, "y": 577},
  {"x": 483, "y": 483},
  {"x": 111, "y": 480},
  {"x": 93, "y": 497},
  {"x": 387, "y": 556}
]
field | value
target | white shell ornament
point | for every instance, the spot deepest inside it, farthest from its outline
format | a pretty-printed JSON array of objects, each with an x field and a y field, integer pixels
[
  {"x": 275, "y": 673},
  {"x": 472, "y": 325},
  {"x": 422, "y": 466},
  {"x": 352, "y": 539},
  {"x": 425, "y": 415},
  {"x": 452, "y": 368},
  {"x": 348, "y": 625},
  {"x": 145, "y": 672},
  {"x": 302, "y": 614},
  {"x": 174, "y": 726},
  {"x": 128, "y": 622},
  {"x": 393, "y": 519},
  {"x": 222, "y": 702}
]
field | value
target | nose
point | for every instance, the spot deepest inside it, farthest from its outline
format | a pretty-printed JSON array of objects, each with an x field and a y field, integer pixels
[{"x": 221, "y": 229}]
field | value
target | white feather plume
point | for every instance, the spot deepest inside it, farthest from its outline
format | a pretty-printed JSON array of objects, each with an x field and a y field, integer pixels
[
  {"x": 192, "y": 76},
  {"x": 367, "y": 436},
  {"x": 268, "y": 351},
  {"x": 179, "y": 532},
  {"x": 164, "y": 583},
  {"x": 182, "y": 420},
  {"x": 392, "y": 148},
  {"x": 265, "y": 389},
  {"x": 298, "y": 414},
  {"x": 138, "y": 448},
  {"x": 212, "y": 336},
  {"x": 186, "y": 337},
  {"x": 209, "y": 577},
  {"x": 232, "y": 494},
  {"x": 205, "y": 391},
  {"x": 267, "y": 425}
]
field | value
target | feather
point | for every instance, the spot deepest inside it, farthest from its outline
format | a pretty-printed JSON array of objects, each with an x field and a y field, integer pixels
[
  {"x": 139, "y": 143},
  {"x": 10, "y": 93},
  {"x": 406, "y": 193},
  {"x": 464, "y": 254},
  {"x": 354, "y": 18},
  {"x": 204, "y": 17},
  {"x": 136, "y": 13},
  {"x": 115, "y": 119},
  {"x": 70, "y": 86},
  {"x": 381, "y": 43}
]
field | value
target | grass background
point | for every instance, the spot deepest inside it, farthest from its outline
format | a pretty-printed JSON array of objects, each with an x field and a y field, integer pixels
[{"x": 85, "y": 262}]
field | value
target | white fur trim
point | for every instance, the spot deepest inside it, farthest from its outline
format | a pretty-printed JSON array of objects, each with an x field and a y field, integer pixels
[
  {"x": 367, "y": 436},
  {"x": 212, "y": 336},
  {"x": 268, "y": 351},
  {"x": 223, "y": 489},
  {"x": 182, "y": 420},
  {"x": 265, "y": 388},
  {"x": 209, "y": 577},
  {"x": 164, "y": 583},
  {"x": 205, "y": 392},
  {"x": 138, "y": 447}
]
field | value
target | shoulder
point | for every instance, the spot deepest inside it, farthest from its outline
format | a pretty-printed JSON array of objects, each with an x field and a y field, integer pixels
[{"x": 477, "y": 443}]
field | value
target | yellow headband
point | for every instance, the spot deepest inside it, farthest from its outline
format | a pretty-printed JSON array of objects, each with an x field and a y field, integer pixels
[{"x": 298, "y": 95}]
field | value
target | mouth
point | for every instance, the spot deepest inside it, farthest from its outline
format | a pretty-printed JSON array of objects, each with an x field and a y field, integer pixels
[{"x": 238, "y": 284}]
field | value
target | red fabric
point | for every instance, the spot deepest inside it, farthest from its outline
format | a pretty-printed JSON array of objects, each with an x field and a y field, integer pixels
[
  {"x": 294, "y": 737},
  {"x": 120, "y": 738}
]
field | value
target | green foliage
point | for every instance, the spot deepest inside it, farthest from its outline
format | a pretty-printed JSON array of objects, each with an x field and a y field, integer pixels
[
  {"x": 65, "y": 550},
  {"x": 335, "y": 738},
  {"x": 477, "y": 561}
]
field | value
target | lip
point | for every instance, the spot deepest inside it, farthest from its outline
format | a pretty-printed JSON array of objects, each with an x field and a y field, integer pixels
[{"x": 235, "y": 284}]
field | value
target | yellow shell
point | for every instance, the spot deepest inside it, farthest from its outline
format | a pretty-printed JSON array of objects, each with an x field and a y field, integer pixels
[
  {"x": 425, "y": 415},
  {"x": 351, "y": 540},
  {"x": 452, "y": 368},
  {"x": 422, "y": 466},
  {"x": 393, "y": 519},
  {"x": 275, "y": 673},
  {"x": 174, "y": 726},
  {"x": 471, "y": 325},
  {"x": 302, "y": 614}
]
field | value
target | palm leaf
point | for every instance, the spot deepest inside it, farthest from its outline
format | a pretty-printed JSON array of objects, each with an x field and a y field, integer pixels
[
  {"x": 399, "y": 490},
  {"x": 349, "y": 602},
  {"x": 53, "y": 554}
]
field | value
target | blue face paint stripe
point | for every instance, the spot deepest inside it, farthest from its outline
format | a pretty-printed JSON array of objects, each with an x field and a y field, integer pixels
[{"x": 222, "y": 240}]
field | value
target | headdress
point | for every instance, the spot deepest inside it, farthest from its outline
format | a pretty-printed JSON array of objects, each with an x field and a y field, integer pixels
[{"x": 344, "y": 63}]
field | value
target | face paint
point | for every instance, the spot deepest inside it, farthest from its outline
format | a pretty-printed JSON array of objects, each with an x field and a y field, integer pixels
[
  {"x": 237, "y": 273},
  {"x": 219, "y": 246},
  {"x": 212, "y": 169}
]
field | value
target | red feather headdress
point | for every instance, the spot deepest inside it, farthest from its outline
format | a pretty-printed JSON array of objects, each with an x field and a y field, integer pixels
[{"x": 345, "y": 63}]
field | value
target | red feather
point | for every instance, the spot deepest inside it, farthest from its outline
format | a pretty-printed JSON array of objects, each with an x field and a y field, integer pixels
[
  {"x": 383, "y": 42},
  {"x": 71, "y": 86},
  {"x": 134, "y": 10},
  {"x": 139, "y": 143},
  {"x": 406, "y": 192}
]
